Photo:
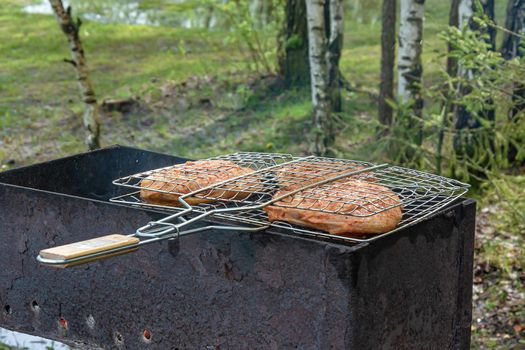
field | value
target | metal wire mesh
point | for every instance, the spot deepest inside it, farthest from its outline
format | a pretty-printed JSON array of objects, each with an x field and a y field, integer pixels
[
  {"x": 381, "y": 190},
  {"x": 310, "y": 183},
  {"x": 192, "y": 176}
]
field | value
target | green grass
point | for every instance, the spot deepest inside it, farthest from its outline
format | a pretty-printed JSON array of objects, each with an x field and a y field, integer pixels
[
  {"x": 122, "y": 58},
  {"x": 507, "y": 213}
]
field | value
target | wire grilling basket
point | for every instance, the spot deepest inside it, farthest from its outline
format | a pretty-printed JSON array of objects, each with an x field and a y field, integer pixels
[{"x": 240, "y": 189}]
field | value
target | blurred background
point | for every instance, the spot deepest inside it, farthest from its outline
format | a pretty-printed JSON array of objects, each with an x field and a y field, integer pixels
[{"x": 198, "y": 78}]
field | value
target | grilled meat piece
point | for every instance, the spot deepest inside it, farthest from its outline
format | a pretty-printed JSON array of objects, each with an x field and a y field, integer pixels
[
  {"x": 340, "y": 208},
  {"x": 165, "y": 186}
]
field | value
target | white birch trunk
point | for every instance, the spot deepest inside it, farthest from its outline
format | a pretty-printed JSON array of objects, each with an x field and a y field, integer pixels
[
  {"x": 265, "y": 12},
  {"x": 91, "y": 116},
  {"x": 462, "y": 118},
  {"x": 465, "y": 12},
  {"x": 255, "y": 8},
  {"x": 317, "y": 44},
  {"x": 409, "y": 54}
]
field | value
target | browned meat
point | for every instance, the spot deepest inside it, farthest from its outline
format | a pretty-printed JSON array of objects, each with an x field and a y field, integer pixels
[
  {"x": 343, "y": 207},
  {"x": 191, "y": 176}
]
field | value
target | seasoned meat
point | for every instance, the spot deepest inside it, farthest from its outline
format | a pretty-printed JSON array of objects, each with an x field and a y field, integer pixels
[
  {"x": 299, "y": 174},
  {"x": 342, "y": 207},
  {"x": 191, "y": 176}
]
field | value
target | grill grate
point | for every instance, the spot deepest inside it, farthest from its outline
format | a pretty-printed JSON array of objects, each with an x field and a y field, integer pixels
[{"x": 314, "y": 183}]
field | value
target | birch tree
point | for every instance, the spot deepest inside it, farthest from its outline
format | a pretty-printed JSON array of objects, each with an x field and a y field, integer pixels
[
  {"x": 488, "y": 9},
  {"x": 91, "y": 118},
  {"x": 410, "y": 68},
  {"x": 261, "y": 10},
  {"x": 511, "y": 47},
  {"x": 448, "y": 91},
  {"x": 325, "y": 37},
  {"x": 463, "y": 119},
  {"x": 388, "y": 56},
  {"x": 515, "y": 25},
  {"x": 465, "y": 12}
]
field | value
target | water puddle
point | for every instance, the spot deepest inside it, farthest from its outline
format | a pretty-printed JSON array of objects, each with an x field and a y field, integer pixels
[
  {"x": 179, "y": 13},
  {"x": 134, "y": 12}
]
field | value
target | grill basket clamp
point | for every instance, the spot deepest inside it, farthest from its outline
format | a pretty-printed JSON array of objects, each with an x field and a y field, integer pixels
[{"x": 421, "y": 195}]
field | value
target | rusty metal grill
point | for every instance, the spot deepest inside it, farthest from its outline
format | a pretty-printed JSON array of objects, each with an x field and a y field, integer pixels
[
  {"x": 222, "y": 289},
  {"x": 311, "y": 183}
]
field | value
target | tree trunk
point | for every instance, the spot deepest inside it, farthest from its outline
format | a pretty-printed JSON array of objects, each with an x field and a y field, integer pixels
[
  {"x": 463, "y": 119},
  {"x": 447, "y": 106},
  {"x": 259, "y": 10},
  {"x": 463, "y": 143},
  {"x": 208, "y": 16},
  {"x": 334, "y": 33},
  {"x": 515, "y": 23},
  {"x": 71, "y": 28},
  {"x": 465, "y": 12},
  {"x": 293, "y": 61},
  {"x": 487, "y": 6},
  {"x": 511, "y": 48},
  {"x": 319, "y": 75},
  {"x": 388, "y": 56},
  {"x": 410, "y": 68},
  {"x": 453, "y": 21}
]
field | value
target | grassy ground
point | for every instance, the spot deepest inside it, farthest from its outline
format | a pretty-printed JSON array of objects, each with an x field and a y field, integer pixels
[
  {"x": 196, "y": 98},
  {"x": 499, "y": 278}
]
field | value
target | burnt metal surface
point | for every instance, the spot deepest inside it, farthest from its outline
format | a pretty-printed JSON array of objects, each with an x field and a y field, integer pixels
[
  {"x": 224, "y": 290},
  {"x": 89, "y": 174}
]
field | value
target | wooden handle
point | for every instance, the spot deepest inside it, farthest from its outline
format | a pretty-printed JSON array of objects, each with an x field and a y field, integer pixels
[{"x": 60, "y": 256}]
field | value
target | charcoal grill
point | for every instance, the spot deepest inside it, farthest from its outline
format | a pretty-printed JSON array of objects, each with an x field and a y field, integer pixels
[{"x": 276, "y": 286}]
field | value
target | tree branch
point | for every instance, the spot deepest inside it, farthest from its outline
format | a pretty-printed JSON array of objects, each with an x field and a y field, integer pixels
[{"x": 73, "y": 63}]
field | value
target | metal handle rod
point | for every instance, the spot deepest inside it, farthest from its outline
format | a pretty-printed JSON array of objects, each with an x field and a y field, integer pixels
[
  {"x": 168, "y": 234},
  {"x": 273, "y": 200},
  {"x": 354, "y": 172}
]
